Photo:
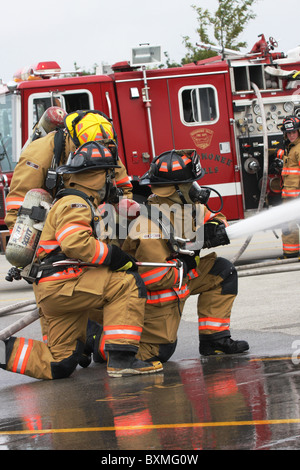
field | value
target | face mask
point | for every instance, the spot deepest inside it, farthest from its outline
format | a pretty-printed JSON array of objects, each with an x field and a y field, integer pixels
[
  {"x": 198, "y": 194},
  {"x": 192, "y": 192},
  {"x": 109, "y": 192},
  {"x": 102, "y": 193}
]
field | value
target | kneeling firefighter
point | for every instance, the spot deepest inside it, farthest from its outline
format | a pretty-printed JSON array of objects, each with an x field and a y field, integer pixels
[
  {"x": 179, "y": 202},
  {"x": 38, "y": 162},
  {"x": 79, "y": 276}
]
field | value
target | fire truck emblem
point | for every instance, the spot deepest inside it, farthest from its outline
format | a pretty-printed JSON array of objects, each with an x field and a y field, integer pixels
[{"x": 202, "y": 137}]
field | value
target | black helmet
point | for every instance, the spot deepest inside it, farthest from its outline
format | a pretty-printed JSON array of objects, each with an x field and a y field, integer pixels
[
  {"x": 174, "y": 167},
  {"x": 89, "y": 156},
  {"x": 290, "y": 123}
]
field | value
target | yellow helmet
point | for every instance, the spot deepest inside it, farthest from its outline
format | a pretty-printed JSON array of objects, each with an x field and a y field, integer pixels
[{"x": 86, "y": 126}]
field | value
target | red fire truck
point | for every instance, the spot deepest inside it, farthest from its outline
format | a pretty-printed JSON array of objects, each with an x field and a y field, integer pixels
[{"x": 229, "y": 108}]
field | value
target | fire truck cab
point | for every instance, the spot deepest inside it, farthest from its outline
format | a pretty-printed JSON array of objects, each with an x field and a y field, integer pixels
[{"x": 229, "y": 108}]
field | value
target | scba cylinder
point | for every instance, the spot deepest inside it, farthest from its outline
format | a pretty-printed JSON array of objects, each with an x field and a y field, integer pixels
[
  {"x": 21, "y": 247},
  {"x": 52, "y": 118}
]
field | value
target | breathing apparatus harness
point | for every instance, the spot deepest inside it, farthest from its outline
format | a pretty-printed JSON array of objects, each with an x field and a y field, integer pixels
[
  {"x": 51, "y": 180},
  {"x": 37, "y": 213},
  {"x": 45, "y": 267},
  {"x": 89, "y": 156}
]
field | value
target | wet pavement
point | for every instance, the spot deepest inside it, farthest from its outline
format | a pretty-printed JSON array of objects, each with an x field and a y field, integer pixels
[
  {"x": 217, "y": 403},
  {"x": 243, "y": 402}
]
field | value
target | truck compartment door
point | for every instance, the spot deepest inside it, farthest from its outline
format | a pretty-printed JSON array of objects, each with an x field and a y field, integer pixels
[{"x": 201, "y": 119}]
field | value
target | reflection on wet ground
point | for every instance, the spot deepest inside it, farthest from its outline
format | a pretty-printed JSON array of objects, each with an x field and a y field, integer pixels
[{"x": 237, "y": 402}]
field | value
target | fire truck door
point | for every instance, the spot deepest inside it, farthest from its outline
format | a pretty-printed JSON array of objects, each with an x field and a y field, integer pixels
[
  {"x": 201, "y": 120},
  {"x": 69, "y": 100}
]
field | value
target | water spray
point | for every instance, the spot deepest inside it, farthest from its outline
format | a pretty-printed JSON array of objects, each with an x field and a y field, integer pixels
[{"x": 269, "y": 219}]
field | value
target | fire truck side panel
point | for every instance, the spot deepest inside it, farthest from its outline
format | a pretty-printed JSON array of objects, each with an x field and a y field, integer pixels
[
  {"x": 135, "y": 121},
  {"x": 201, "y": 120},
  {"x": 189, "y": 109}
]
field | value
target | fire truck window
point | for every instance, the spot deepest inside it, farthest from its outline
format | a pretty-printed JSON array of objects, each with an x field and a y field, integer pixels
[
  {"x": 6, "y": 143},
  {"x": 39, "y": 107},
  {"x": 72, "y": 102},
  {"x": 199, "y": 105},
  {"x": 76, "y": 101}
]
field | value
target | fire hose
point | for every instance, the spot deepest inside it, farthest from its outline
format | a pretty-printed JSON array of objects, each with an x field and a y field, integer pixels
[
  {"x": 268, "y": 267},
  {"x": 276, "y": 217},
  {"x": 18, "y": 325}
]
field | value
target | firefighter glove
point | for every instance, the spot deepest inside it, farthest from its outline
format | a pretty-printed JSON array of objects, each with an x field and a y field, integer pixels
[
  {"x": 278, "y": 164},
  {"x": 215, "y": 234},
  {"x": 189, "y": 262},
  {"x": 121, "y": 261}
]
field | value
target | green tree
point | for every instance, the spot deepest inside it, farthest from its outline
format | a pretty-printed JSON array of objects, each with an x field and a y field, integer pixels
[
  {"x": 83, "y": 71},
  {"x": 228, "y": 22}
]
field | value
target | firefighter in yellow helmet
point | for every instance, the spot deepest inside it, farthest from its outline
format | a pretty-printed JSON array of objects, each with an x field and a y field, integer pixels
[
  {"x": 80, "y": 274},
  {"x": 39, "y": 160},
  {"x": 178, "y": 201}
]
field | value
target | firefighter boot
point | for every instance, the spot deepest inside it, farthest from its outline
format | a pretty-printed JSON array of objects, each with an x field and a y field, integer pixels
[
  {"x": 93, "y": 335},
  {"x": 289, "y": 255},
  {"x": 125, "y": 363},
  {"x": 225, "y": 345},
  {"x": 85, "y": 359}
]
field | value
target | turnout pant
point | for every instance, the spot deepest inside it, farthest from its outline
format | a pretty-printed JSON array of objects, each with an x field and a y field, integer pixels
[
  {"x": 290, "y": 236},
  {"x": 215, "y": 283},
  {"x": 118, "y": 297}
]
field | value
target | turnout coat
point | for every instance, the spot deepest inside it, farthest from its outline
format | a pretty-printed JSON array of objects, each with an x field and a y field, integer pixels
[
  {"x": 69, "y": 295},
  {"x": 290, "y": 189}
]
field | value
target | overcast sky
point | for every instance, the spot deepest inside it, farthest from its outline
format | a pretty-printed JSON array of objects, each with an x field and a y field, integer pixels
[{"x": 98, "y": 31}]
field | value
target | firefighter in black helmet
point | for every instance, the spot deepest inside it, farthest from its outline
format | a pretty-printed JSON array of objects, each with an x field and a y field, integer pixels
[
  {"x": 178, "y": 199},
  {"x": 37, "y": 165},
  {"x": 291, "y": 182},
  {"x": 92, "y": 278}
]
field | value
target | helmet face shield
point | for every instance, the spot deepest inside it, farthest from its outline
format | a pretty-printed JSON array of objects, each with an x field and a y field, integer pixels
[{"x": 75, "y": 160}]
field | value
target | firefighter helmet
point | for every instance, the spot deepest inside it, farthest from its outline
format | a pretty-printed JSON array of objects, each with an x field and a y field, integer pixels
[
  {"x": 85, "y": 126},
  {"x": 89, "y": 156},
  {"x": 290, "y": 123},
  {"x": 174, "y": 167}
]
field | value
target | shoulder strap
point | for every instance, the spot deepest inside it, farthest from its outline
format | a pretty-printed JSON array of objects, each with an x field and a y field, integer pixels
[
  {"x": 51, "y": 180},
  {"x": 59, "y": 140},
  {"x": 177, "y": 244},
  {"x": 73, "y": 192}
]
